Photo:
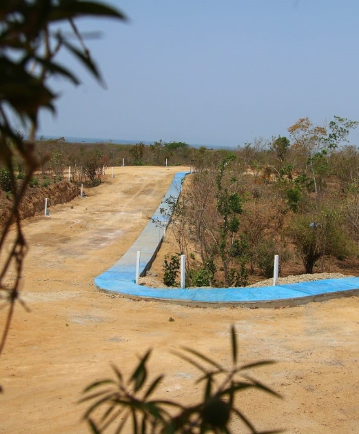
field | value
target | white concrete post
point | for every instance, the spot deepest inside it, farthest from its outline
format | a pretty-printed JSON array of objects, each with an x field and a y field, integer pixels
[
  {"x": 82, "y": 190},
  {"x": 103, "y": 170},
  {"x": 69, "y": 173},
  {"x": 166, "y": 162},
  {"x": 183, "y": 271},
  {"x": 138, "y": 258},
  {"x": 123, "y": 162},
  {"x": 112, "y": 172},
  {"x": 276, "y": 267},
  {"x": 46, "y": 212}
]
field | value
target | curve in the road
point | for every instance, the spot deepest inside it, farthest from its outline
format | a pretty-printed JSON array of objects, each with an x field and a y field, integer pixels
[{"x": 120, "y": 278}]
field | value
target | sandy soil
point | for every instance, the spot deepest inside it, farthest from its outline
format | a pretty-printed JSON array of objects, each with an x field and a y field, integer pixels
[{"x": 74, "y": 332}]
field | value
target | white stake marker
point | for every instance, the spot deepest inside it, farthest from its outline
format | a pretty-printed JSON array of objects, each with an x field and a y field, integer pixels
[
  {"x": 276, "y": 268},
  {"x": 138, "y": 258},
  {"x": 183, "y": 271}
]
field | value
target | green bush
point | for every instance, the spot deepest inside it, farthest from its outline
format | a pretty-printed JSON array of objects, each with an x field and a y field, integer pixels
[
  {"x": 202, "y": 277},
  {"x": 5, "y": 179},
  {"x": 266, "y": 251},
  {"x": 171, "y": 268},
  {"x": 34, "y": 182},
  {"x": 238, "y": 277}
]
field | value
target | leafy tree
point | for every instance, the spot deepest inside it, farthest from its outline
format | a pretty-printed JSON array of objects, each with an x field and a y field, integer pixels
[
  {"x": 92, "y": 167},
  {"x": 315, "y": 143},
  {"x": 319, "y": 234},
  {"x": 157, "y": 148},
  {"x": 229, "y": 207},
  {"x": 137, "y": 152},
  {"x": 280, "y": 148},
  {"x": 339, "y": 130},
  {"x": 308, "y": 140}
]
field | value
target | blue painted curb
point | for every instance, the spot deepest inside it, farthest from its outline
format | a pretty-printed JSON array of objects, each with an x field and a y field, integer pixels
[{"x": 120, "y": 278}]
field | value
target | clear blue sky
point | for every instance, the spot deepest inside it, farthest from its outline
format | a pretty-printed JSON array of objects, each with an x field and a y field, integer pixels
[{"x": 214, "y": 72}]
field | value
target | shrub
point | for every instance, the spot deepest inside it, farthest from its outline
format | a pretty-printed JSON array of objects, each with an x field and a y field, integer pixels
[
  {"x": 34, "y": 182},
  {"x": 266, "y": 251},
  {"x": 319, "y": 235},
  {"x": 238, "y": 277},
  {"x": 5, "y": 179},
  {"x": 171, "y": 268},
  {"x": 202, "y": 277}
]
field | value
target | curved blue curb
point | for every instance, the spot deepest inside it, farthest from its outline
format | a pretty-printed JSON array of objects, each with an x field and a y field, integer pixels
[{"x": 120, "y": 278}]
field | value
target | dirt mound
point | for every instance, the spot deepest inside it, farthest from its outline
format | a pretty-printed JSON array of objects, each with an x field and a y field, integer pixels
[{"x": 34, "y": 201}]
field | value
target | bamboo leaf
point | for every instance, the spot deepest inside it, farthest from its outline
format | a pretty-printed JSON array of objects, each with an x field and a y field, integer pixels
[
  {"x": 94, "y": 406},
  {"x": 56, "y": 68},
  {"x": 257, "y": 364},
  {"x": 208, "y": 389},
  {"x": 140, "y": 374},
  {"x": 74, "y": 9},
  {"x": 122, "y": 424},
  {"x": 153, "y": 386},
  {"x": 134, "y": 422},
  {"x": 83, "y": 58},
  {"x": 118, "y": 373},
  {"x": 93, "y": 427},
  {"x": 245, "y": 420},
  {"x": 203, "y": 357},
  {"x": 97, "y": 384},
  {"x": 192, "y": 362},
  {"x": 263, "y": 387}
]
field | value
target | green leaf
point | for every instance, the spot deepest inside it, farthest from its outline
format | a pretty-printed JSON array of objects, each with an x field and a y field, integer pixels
[
  {"x": 203, "y": 357},
  {"x": 97, "y": 384},
  {"x": 192, "y": 362},
  {"x": 83, "y": 58},
  {"x": 107, "y": 398},
  {"x": 118, "y": 373},
  {"x": 75, "y": 9},
  {"x": 140, "y": 374},
  {"x": 208, "y": 390},
  {"x": 56, "y": 68},
  {"x": 245, "y": 420},
  {"x": 134, "y": 422},
  {"x": 153, "y": 386},
  {"x": 93, "y": 427},
  {"x": 257, "y": 364},
  {"x": 264, "y": 388}
]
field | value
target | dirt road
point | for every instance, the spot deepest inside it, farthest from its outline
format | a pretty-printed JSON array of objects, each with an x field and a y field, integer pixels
[{"x": 74, "y": 332}]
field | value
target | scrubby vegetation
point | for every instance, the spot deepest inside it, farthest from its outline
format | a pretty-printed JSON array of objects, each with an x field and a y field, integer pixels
[{"x": 297, "y": 197}]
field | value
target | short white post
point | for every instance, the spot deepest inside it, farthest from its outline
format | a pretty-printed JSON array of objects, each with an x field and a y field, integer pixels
[
  {"x": 82, "y": 190},
  {"x": 46, "y": 212},
  {"x": 112, "y": 172},
  {"x": 183, "y": 271},
  {"x": 166, "y": 162},
  {"x": 138, "y": 258},
  {"x": 69, "y": 173},
  {"x": 276, "y": 267},
  {"x": 123, "y": 162},
  {"x": 103, "y": 170}
]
